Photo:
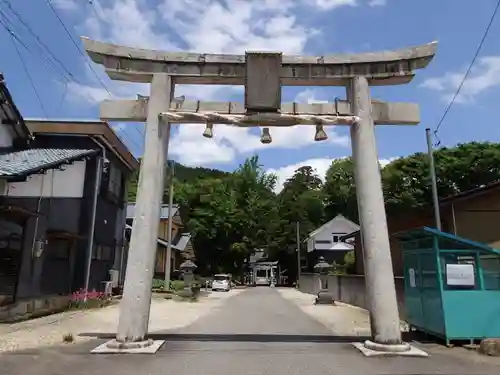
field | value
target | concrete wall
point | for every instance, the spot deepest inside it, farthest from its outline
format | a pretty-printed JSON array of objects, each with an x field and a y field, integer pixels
[
  {"x": 66, "y": 182},
  {"x": 347, "y": 288}
]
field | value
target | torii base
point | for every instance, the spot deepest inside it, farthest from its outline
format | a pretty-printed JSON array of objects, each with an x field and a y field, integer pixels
[
  {"x": 136, "y": 347},
  {"x": 372, "y": 349}
]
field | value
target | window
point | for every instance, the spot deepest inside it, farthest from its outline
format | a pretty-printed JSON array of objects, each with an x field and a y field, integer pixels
[
  {"x": 323, "y": 241},
  {"x": 103, "y": 252},
  {"x": 115, "y": 181},
  {"x": 337, "y": 236}
]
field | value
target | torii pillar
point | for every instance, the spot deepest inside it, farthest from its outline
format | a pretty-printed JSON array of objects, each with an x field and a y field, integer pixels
[
  {"x": 379, "y": 275},
  {"x": 357, "y": 72}
]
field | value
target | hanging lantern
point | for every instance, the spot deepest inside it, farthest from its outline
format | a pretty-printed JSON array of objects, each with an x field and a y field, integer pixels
[
  {"x": 320, "y": 134},
  {"x": 266, "y": 136},
  {"x": 209, "y": 132}
]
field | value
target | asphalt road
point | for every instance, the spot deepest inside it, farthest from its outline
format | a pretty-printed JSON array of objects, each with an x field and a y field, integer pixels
[{"x": 255, "y": 332}]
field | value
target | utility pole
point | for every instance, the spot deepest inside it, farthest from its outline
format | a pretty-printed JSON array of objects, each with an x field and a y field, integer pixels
[
  {"x": 298, "y": 252},
  {"x": 432, "y": 172},
  {"x": 168, "y": 257}
]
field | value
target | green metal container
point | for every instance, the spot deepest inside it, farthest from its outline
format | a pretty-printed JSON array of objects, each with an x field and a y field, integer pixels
[{"x": 452, "y": 285}]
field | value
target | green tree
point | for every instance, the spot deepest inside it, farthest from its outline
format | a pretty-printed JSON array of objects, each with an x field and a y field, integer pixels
[
  {"x": 229, "y": 217},
  {"x": 467, "y": 166},
  {"x": 300, "y": 200},
  {"x": 256, "y": 208},
  {"x": 406, "y": 181},
  {"x": 340, "y": 189}
]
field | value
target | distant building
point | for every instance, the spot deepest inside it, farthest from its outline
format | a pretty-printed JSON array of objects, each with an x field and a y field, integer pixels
[
  {"x": 327, "y": 241},
  {"x": 182, "y": 247},
  {"x": 472, "y": 214},
  {"x": 49, "y": 176}
]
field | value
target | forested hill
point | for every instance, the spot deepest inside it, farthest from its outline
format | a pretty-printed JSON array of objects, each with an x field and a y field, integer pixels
[
  {"x": 189, "y": 174},
  {"x": 182, "y": 174}
]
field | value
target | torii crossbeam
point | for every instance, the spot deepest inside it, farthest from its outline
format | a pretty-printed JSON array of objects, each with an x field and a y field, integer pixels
[{"x": 263, "y": 75}]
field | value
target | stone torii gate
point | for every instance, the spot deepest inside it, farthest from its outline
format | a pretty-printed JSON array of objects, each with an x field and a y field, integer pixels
[{"x": 263, "y": 75}]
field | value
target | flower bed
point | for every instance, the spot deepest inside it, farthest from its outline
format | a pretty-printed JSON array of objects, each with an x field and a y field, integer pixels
[{"x": 88, "y": 300}]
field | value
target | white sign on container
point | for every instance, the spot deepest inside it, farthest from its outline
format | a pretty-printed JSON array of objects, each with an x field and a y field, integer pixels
[
  {"x": 411, "y": 274},
  {"x": 460, "y": 275}
]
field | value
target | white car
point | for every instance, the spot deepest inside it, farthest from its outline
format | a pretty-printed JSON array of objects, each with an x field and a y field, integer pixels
[{"x": 221, "y": 282}]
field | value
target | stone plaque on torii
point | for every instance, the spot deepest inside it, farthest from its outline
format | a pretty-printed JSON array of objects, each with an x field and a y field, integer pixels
[{"x": 263, "y": 74}]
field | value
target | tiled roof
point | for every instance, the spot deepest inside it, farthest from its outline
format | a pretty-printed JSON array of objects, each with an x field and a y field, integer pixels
[{"x": 19, "y": 163}]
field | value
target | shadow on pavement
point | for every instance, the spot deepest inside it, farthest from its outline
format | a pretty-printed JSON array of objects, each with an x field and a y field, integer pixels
[{"x": 263, "y": 338}]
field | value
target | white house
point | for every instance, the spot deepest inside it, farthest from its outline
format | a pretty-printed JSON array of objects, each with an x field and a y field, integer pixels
[{"x": 326, "y": 240}]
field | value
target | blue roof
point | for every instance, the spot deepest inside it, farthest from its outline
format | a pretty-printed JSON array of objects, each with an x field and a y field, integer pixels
[
  {"x": 423, "y": 232},
  {"x": 19, "y": 163}
]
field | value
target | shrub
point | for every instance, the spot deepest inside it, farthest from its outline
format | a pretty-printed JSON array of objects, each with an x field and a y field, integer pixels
[
  {"x": 350, "y": 262},
  {"x": 176, "y": 285},
  {"x": 158, "y": 283},
  {"x": 94, "y": 299}
]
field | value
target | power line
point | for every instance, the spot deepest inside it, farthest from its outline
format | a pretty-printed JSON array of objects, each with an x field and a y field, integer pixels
[
  {"x": 478, "y": 50},
  {"x": 50, "y": 64},
  {"x": 49, "y": 3},
  {"x": 77, "y": 46},
  {"x": 14, "y": 39},
  {"x": 60, "y": 68},
  {"x": 40, "y": 42},
  {"x": 94, "y": 8}
]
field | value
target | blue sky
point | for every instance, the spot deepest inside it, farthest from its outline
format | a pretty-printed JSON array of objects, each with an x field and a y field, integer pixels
[{"x": 313, "y": 27}]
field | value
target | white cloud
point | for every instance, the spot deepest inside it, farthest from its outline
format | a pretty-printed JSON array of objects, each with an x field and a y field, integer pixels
[
  {"x": 485, "y": 75},
  {"x": 320, "y": 165},
  {"x": 83, "y": 94},
  {"x": 192, "y": 149},
  {"x": 306, "y": 96},
  {"x": 377, "y": 3},
  {"x": 65, "y": 4},
  {"x": 209, "y": 26},
  {"x": 332, "y": 4}
]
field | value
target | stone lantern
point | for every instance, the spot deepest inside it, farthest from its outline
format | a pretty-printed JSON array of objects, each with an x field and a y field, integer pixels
[
  {"x": 187, "y": 268},
  {"x": 322, "y": 267}
]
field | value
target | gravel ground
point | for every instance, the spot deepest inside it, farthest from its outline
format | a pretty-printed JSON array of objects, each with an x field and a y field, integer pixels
[
  {"x": 255, "y": 332},
  {"x": 346, "y": 320},
  {"x": 341, "y": 319},
  {"x": 49, "y": 330}
]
